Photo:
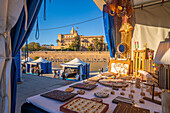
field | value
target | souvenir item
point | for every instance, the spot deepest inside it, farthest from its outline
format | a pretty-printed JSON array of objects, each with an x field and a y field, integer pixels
[
  {"x": 113, "y": 83},
  {"x": 137, "y": 82},
  {"x": 84, "y": 86},
  {"x": 59, "y": 95},
  {"x": 101, "y": 94},
  {"x": 115, "y": 88},
  {"x": 123, "y": 99},
  {"x": 130, "y": 96},
  {"x": 81, "y": 92},
  {"x": 123, "y": 89},
  {"x": 141, "y": 101},
  {"x": 89, "y": 82},
  {"x": 122, "y": 93},
  {"x": 97, "y": 99},
  {"x": 84, "y": 105},
  {"x": 127, "y": 108},
  {"x": 142, "y": 94},
  {"x": 95, "y": 79},
  {"x": 113, "y": 92},
  {"x": 71, "y": 89},
  {"x": 105, "y": 89},
  {"x": 132, "y": 91},
  {"x": 156, "y": 93},
  {"x": 109, "y": 75}
]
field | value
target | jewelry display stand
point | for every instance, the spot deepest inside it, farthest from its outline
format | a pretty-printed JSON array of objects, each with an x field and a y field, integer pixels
[{"x": 152, "y": 99}]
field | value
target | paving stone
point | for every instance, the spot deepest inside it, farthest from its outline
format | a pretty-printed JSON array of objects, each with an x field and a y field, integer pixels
[{"x": 33, "y": 85}]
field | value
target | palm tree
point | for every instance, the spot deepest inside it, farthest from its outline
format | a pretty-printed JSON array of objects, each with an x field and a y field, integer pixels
[
  {"x": 100, "y": 44},
  {"x": 76, "y": 43},
  {"x": 57, "y": 41},
  {"x": 95, "y": 42}
]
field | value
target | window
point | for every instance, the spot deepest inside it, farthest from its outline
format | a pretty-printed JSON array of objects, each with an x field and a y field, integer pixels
[{"x": 87, "y": 44}]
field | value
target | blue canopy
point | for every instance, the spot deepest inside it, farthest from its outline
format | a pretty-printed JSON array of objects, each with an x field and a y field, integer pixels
[{"x": 109, "y": 32}]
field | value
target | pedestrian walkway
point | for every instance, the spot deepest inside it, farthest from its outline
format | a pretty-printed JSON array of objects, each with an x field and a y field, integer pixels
[{"x": 33, "y": 85}]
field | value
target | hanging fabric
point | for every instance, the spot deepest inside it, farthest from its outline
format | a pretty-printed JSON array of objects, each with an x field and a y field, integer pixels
[
  {"x": 9, "y": 14},
  {"x": 18, "y": 38},
  {"x": 109, "y": 32},
  {"x": 44, "y": 9}
]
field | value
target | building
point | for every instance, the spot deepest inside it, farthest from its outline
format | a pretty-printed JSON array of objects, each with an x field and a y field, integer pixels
[{"x": 65, "y": 40}]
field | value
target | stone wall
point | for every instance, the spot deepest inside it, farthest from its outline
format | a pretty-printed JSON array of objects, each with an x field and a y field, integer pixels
[
  {"x": 63, "y": 56},
  {"x": 96, "y": 59}
]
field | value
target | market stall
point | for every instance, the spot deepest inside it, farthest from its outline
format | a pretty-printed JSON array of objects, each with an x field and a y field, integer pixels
[
  {"x": 41, "y": 64},
  {"x": 25, "y": 65},
  {"x": 132, "y": 76},
  {"x": 27, "y": 60},
  {"x": 77, "y": 66},
  {"x": 54, "y": 106}
]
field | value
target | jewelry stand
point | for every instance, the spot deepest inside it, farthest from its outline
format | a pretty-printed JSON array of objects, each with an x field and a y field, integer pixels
[{"x": 152, "y": 99}]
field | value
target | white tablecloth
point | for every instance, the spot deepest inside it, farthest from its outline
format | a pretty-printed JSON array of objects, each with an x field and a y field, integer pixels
[{"x": 53, "y": 106}]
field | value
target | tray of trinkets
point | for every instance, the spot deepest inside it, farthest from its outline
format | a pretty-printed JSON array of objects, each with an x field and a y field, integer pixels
[
  {"x": 59, "y": 95},
  {"x": 84, "y": 86},
  {"x": 123, "y": 100},
  {"x": 84, "y": 105},
  {"x": 117, "y": 83},
  {"x": 127, "y": 108}
]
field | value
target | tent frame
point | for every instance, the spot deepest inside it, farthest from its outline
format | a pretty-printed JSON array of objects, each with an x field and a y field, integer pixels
[{"x": 150, "y": 4}]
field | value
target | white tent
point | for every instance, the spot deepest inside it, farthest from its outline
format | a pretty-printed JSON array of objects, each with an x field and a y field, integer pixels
[
  {"x": 74, "y": 63},
  {"x": 42, "y": 64},
  {"x": 27, "y": 59},
  {"x": 40, "y": 60},
  {"x": 83, "y": 67},
  {"x": 152, "y": 22}
]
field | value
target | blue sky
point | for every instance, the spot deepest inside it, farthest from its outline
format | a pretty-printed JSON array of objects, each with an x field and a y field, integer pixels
[{"x": 66, "y": 12}]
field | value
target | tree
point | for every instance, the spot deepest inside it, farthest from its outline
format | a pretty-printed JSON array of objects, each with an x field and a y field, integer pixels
[
  {"x": 32, "y": 47},
  {"x": 100, "y": 45},
  {"x": 51, "y": 45},
  {"x": 23, "y": 48},
  {"x": 62, "y": 48},
  {"x": 95, "y": 42},
  {"x": 90, "y": 47},
  {"x": 57, "y": 41},
  {"x": 35, "y": 58},
  {"x": 76, "y": 43},
  {"x": 37, "y": 46}
]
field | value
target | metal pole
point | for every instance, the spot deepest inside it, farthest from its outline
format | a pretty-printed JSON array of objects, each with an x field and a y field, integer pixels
[{"x": 27, "y": 49}]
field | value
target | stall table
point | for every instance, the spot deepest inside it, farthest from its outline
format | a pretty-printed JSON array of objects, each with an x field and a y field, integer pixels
[{"x": 53, "y": 106}]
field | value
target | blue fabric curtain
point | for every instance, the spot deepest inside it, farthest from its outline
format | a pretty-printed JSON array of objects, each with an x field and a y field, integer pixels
[
  {"x": 44, "y": 67},
  {"x": 110, "y": 33},
  {"x": 18, "y": 38},
  {"x": 88, "y": 71},
  {"x": 50, "y": 67},
  {"x": 18, "y": 65}
]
